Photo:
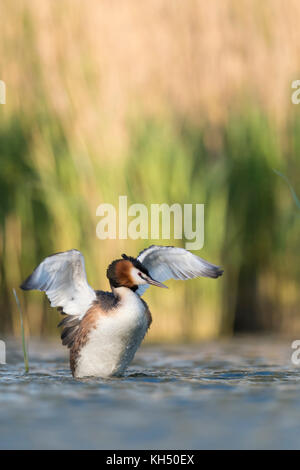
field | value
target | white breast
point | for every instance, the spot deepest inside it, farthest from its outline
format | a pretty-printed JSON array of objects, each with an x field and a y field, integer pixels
[{"x": 112, "y": 344}]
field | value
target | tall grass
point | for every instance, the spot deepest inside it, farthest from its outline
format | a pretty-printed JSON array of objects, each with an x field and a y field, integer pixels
[
  {"x": 165, "y": 102},
  {"x": 247, "y": 226}
]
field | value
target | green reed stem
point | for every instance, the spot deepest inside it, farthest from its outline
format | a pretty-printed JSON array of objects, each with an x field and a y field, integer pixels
[
  {"x": 293, "y": 193},
  {"x": 23, "y": 334}
]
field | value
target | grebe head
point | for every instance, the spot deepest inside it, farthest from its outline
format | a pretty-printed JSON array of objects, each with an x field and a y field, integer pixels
[{"x": 129, "y": 272}]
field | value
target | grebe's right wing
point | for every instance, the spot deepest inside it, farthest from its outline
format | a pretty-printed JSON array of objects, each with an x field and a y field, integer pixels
[{"x": 63, "y": 278}]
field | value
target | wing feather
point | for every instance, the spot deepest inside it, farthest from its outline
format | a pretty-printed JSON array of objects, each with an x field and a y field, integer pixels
[
  {"x": 169, "y": 262},
  {"x": 63, "y": 278}
]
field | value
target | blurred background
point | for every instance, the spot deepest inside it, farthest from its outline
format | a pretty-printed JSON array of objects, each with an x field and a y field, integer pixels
[{"x": 162, "y": 101}]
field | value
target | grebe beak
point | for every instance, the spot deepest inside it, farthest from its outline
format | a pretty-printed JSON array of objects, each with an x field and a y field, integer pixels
[{"x": 149, "y": 280}]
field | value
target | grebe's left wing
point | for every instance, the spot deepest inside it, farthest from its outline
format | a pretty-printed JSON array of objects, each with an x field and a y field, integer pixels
[
  {"x": 169, "y": 262},
  {"x": 63, "y": 278}
]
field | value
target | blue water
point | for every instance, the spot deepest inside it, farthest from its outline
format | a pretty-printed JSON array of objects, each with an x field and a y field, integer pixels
[{"x": 238, "y": 394}]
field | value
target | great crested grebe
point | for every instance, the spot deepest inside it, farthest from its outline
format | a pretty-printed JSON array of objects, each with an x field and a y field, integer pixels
[{"x": 104, "y": 329}]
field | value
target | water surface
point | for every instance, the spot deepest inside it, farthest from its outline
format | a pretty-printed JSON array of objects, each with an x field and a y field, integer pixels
[{"x": 243, "y": 393}]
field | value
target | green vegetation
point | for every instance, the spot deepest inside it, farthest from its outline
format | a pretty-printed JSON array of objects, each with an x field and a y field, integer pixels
[
  {"x": 85, "y": 123},
  {"x": 250, "y": 219}
]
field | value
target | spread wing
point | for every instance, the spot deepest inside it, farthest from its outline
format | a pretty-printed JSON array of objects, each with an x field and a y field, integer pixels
[
  {"x": 63, "y": 278},
  {"x": 169, "y": 262}
]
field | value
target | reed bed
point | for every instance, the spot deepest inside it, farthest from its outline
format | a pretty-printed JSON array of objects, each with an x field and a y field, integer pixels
[{"x": 161, "y": 101}]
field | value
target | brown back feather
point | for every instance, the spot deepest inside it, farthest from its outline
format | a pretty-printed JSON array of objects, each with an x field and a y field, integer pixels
[{"x": 70, "y": 329}]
